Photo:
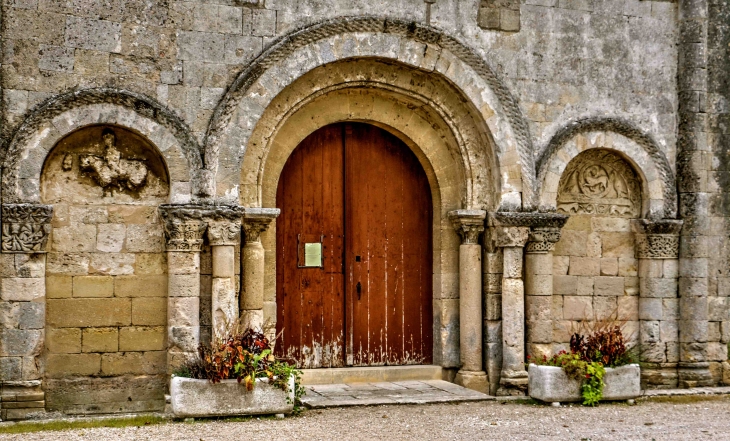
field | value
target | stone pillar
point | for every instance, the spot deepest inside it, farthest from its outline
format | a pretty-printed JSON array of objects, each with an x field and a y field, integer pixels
[
  {"x": 25, "y": 230},
  {"x": 513, "y": 378},
  {"x": 184, "y": 238},
  {"x": 223, "y": 237},
  {"x": 470, "y": 225},
  {"x": 693, "y": 169},
  {"x": 492, "y": 312},
  {"x": 255, "y": 222},
  {"x": 539, "y": 289},
  {"x": 657, "y": 249}
]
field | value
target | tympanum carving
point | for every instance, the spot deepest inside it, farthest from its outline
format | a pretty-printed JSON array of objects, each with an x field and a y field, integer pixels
[
  {"x": 110, "y": 170},
  {"x": 599, "y": 182}
]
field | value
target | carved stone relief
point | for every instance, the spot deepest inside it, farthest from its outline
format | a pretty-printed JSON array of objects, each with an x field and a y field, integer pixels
[
  {"x": 25, "y": 227},
  {"x": 104, "y": 162},
  {"x": 599, "y": 182}
]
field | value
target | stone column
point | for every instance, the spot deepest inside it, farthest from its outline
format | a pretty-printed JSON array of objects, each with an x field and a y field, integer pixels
[
  {"x": 493, "y": 267},
  {"x": 539, "y": 289},
  {"x": 693, "y": 171},
  {"x": 470, "y": 225},
  {"x": 184, "y": 238},
  {"x": 255, "y": 222},
  {"x": 223, "y": 238},
  {"x": 25, "y": 230},
  {"x": 657, "y": 249},
  {"x": 513, "y": 378}
]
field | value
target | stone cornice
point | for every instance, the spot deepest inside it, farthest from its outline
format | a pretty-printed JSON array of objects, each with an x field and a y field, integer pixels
[
  {"x": 527, "y": 219},
  {"x": 257, "y": 220}
]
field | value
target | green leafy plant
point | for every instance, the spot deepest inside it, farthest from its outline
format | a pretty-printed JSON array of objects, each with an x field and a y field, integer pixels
[
  {"x": 243, "y": 354},
  {"x": 604, "y": 347}
]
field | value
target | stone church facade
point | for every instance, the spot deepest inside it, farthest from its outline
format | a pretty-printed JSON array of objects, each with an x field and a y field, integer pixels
[{"x": 577, "y": 154}]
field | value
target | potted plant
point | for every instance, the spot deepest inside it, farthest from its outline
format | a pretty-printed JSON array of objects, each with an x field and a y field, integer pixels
[
  {"x": 598, "y": 367},
  {"x": 236, "y": 375}
]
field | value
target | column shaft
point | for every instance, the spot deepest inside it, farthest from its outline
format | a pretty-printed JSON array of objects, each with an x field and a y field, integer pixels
[{"x": 223, "y": 238}]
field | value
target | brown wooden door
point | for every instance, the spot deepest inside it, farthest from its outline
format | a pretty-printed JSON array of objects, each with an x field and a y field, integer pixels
[{"x": 362, "y": 193}]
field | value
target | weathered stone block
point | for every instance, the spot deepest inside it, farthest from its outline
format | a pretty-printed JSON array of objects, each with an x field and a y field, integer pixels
[
  {"x": 93, "y": 286},
  {"x": 65, "y": 365},
  {"x": 718, "y": 309},
  {"x": 110, "y": 237},
  {"x": 112, "y": 263},
  {"x": 584, "y": 286},
  {"x": 617, "y": 244},
  {"x": 58, "y": 287},
  {"x": 106, "y": 395},
  {"x": 201, "y": 46},
  {"x": 539, "y": 284},
  {"x": 609, "y": 286},
  {"x": 584, "y": 266},
  {"x": 67, "y": 264},
  {"x": 100, "y": 340},
  {"x": 22, "y": 290},
  {"x": 142, "y": 338},
  {"x": 263, "y": 22},
  {"x": 187, "y": 263},
  {"x": 538, "y": 307},
  {"x": 551, "y": 384},
  {"x": 651, "y": 268},
  {"x": 577, "y": 308},
  {"x": 32, "y": 315},
  {"x": 145, "y": 239},
  {"x": 150, "y": 263},
  {"x": 561, "y": 265},
  {"x": 149, "y": 311},
  {"x": 604, "y": 307},
  {"x": 76, "y": 238},
  {"x": 628, "y": 308},
  {"x": 11, "y": 368},
  {"x": 627, "y": 267},
  {"x": 98, "y": 35},
  {"x": 651, "y": 309},
  {"x": 609, "y": 266},
  {"x": 76, "y": 313},
  {"x": 652, "y": 287},
  {"x": 141, "y": 286},
  {"x": 183, "y": 285},
  {"x": 63, "y": 341},
  {"x": 19, "y": 342},
  {"x": 540, "y": 331},
  {"x": 572, "y": 243},
  {"x": 566, "y": 285},
  {"x": 122, "y": 363}
]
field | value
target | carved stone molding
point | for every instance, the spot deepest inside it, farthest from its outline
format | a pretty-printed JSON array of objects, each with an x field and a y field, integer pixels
[
  {"x": 542, "y": 240},
  {"x": 257, "y": 220},
  {"x": 184, "y": 235},
  {"x": 527, "y": 219},
  {"x": 599, "y": 182},
  {"x": 224, "y": 233},
  {"x": 25, "y": 227},
  {"x": 469, "y": 224},
  {"x": 657, "y": 239}
]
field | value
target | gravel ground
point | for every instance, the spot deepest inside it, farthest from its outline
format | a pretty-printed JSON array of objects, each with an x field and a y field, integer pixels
[{"x": 645, "y": 421}]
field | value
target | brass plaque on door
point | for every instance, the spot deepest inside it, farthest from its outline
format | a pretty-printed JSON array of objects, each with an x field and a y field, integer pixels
[{"x": 309, "y": 251}]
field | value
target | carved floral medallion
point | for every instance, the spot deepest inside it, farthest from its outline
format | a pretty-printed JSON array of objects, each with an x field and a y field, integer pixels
[{"x": 599, "y": 182}]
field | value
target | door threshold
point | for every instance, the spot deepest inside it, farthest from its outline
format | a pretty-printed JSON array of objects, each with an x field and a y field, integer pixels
[{"x": 371, "y": 374}]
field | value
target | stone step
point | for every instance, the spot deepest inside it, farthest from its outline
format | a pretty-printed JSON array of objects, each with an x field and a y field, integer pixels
[{"x": 370, "y": 374}]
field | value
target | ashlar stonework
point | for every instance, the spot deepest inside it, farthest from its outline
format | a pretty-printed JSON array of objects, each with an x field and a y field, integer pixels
[{"x": 576, "y": 153}]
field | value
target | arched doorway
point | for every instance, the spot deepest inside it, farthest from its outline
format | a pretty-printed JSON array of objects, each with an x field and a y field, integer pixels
[{"x": 354, "y": 251}]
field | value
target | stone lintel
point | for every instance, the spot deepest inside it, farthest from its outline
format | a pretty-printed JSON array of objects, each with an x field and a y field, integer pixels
[
  {"x": 25, "y": 227},
  {"x": 657, "y": 239},
  {"x": 527, "y": 219},
  {"x": 257, "y": 220},
  {"x": 469, "y": 224}
]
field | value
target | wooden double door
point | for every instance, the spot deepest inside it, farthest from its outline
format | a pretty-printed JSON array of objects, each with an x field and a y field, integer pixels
[{"x": 354, "y": 254}]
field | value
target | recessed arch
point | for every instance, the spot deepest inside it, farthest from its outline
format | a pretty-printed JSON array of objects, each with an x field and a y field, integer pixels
[
  {"x": 622, "y": 137},
  {"x": 420, "y": 48},
  {"x": 54, "y": 119}
]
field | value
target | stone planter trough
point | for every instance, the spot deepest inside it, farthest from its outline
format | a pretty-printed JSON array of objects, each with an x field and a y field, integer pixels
[
  {"x": 552, "y": 385},
  {"x": 201, "y": 398}
]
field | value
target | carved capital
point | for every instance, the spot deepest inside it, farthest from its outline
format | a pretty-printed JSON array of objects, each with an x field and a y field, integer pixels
[
  {"x": 223, "y": 233},
  {"x": 657, "y": 239},
  {"x": 469, "y": 224},
  {"x": 257, "y": 220},
  {"x": 542, "y": 240},
  {"x": 184, "y": 235},
  {"x": 25, "y": 227}
]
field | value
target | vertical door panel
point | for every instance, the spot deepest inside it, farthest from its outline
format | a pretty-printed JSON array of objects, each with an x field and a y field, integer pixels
[
  {"x": 388, "y": 224},
  {"x": 310, "y": 301}
]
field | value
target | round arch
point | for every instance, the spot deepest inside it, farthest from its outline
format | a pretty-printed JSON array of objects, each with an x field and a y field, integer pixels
[
  {"x": 420, "y": 48},
  {"x": 635, "y": 146},
  {"x": 54, "y": 119}
]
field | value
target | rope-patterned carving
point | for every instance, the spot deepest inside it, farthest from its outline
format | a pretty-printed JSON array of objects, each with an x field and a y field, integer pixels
[
  {"x": 624, "y": 128},
  {"x": 54, "y": 106},
  {"x": 286, "y": 45}
]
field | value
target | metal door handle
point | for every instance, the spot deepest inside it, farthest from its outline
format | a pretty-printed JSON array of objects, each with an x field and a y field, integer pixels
[{"x": 359, "y": 290}]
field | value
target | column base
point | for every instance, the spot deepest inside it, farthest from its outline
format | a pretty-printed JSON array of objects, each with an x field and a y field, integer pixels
[
  {"x": 513, "y": 384},
  {"x": 474, "y": 380},
  {"x": 22, "y": 398},
  {"x": 694, "y": 375}
]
